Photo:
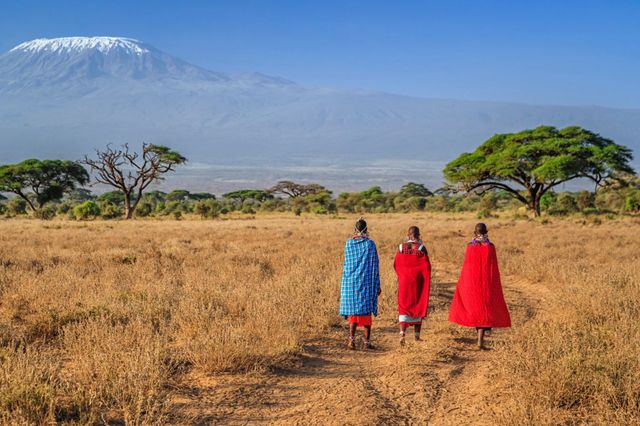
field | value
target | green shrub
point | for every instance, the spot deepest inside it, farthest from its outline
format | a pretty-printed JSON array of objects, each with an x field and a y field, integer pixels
[
  {"x": 439, "y": 203},
  {"x": 415, "y": 203},
  {"x": 171, "y": 207},
  {"x": 488, "y": 202},
  {"x": 547, "y": 200},
  {"x": 610, "y": 200},
  {"x": 159, "y": 207},
  {"x": 47, "y": 212},
  {"x": 585, "y": 200},
  {"x": 590, "y": 211},
  {"x": 319, "y": 210},
  {"x": 632, "y": 201},
  {"x": 557, "y": 211},
  {"x": 248, "y": 210},
  {"x": 65, "y": 207},
  {"x": 563, "y": 204},
  {"x": 144, "y": 208},
  {"x": 110, "y": 210},
  {"x": 208, "y": 208},
  {"x": 87, "y": 210},
  {"x": 16, "y": 206}
]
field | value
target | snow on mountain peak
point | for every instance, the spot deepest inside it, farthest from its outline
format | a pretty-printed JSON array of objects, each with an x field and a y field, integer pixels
[
  {"x": 66, "y": 61},
  {"x": 69, "y": 44}
]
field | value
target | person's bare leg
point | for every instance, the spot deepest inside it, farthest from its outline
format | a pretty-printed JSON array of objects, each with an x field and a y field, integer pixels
[
  {"x": 367, "y": 337},
  {"x": 481, "y": 338},
  {"x": 417, "y": 329},
  {"x": 352, "y": 335},
  {"x": 403, "y": 330}
]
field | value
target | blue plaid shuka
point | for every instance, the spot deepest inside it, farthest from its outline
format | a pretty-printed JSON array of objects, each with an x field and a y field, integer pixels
[{"x": 360, "y": 278}]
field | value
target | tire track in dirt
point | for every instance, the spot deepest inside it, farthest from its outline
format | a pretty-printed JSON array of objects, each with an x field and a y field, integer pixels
[{"x": 442, "y": 380}]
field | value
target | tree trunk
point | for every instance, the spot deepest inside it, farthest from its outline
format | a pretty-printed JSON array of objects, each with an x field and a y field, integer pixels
[
  {"x": 535, "y": 208},
  {"x": 29, "y": 202},
  {"x": 128, "y": 211},
  {"x": 535, "y": 194},
  {"x": 135, "y": 203}
]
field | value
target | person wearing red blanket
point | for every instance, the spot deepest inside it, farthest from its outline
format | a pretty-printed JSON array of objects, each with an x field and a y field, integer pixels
[
  {"x": 414, "y": 282},
  {"x": 478, "y": 300}
]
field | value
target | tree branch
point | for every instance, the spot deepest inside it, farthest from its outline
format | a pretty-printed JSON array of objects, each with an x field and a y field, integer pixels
[{"x": 499, "y": 185}]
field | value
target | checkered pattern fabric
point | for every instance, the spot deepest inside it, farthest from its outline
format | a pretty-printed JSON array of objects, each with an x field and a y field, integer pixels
[{"x": 360, "y": 278}]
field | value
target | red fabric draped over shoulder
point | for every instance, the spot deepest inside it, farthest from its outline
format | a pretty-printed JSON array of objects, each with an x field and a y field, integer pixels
[
  {"x": 478, "y": 300},
  {"x": 414, "y": 283}
]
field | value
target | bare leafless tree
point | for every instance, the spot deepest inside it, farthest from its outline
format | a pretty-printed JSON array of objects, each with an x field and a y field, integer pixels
[{"x": 131, "y": 172}]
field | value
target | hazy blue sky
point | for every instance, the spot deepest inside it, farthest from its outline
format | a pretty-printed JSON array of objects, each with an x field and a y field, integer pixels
[{"x": 558, "y": 52}]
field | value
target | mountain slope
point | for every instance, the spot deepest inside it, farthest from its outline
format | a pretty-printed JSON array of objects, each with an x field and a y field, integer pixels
[{"x": 64, "y": 97}]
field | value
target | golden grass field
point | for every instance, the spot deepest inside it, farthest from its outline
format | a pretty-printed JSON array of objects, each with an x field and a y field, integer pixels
[{"x": 235, "y": 322}]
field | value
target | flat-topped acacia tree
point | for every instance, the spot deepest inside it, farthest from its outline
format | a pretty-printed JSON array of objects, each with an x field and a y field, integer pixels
[
  {"x": 295, "y": 190},
  {"x": 529, "y": 163},
  {"x": 130, "y": 172},
  {"x": 38, "y": 182}
]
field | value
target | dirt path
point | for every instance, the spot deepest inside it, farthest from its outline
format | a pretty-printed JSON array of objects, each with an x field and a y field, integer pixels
[{"x": 442, "y": 380}]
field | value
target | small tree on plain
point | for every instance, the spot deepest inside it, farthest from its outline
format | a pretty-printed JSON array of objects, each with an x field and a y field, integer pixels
[
  {"x": 413, "y": 189},
  {"x": 248, "y": 194},
  {"x": 130, "y": 172},
  {"x": 294, "y": 190}
]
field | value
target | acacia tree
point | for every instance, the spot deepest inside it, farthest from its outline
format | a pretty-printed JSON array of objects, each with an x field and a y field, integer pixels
[
  {"x": 528, "y": 164},
  {"x": 295, "y": 190},
  {"x": 39, "y": 181},
  {"x": 259, "y": 195},
  {"x": 130, "y": 172},
  {"x": 413, "y": 189}
]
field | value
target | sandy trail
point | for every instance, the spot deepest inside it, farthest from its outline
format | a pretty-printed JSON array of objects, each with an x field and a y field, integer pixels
[{"x": 442, "y": 380}]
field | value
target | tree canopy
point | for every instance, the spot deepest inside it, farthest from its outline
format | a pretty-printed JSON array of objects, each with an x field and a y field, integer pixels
[
  {"x": 294, "y": 190},
  {"x": 178, "y": 195},
  {"x": 112, "y": 197},
  {"x": 40, "y": 181},
  {"x": 529, "y": 163},
  {"x": 413, "y": 189},
  {"x": 80, "y": 195},
  {"x": 248, "y": 194},
  {"x": 201, "y": 196}
]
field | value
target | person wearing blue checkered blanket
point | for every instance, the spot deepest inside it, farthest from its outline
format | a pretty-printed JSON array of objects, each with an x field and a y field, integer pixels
[{"x": 360, "y": 286}]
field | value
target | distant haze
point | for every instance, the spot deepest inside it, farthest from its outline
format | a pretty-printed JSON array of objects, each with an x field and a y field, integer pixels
[{"x": 62, "y": 98}]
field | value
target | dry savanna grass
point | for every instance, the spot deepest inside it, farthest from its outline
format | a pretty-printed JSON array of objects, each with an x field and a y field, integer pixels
[{"x": 99, "y": 322}]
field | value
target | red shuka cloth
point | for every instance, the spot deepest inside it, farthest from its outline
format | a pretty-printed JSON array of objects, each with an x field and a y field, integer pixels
[
  {"x": 478, "y": 300},
  {"x": 361, "y": 320},
  {"x": 414, "y": 283}
]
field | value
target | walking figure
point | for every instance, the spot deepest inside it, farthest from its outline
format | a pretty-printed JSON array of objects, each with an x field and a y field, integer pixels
[
  {"x": 360, "y": 285},
  {"x": 478, "y": 301},
  {"x": 413, "y": 269}
]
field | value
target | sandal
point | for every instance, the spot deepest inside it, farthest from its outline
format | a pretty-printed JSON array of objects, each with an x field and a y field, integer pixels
[
  {"x": 402, "y": 334},
  {"x": 368, "y": 345},
  {"x": 352, "y": 343}
]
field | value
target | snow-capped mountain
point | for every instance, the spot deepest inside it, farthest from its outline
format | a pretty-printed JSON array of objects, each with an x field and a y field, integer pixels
[
  {"x": 72, "y": 60},
  {"x": 64, "y": 97},
  {"x": 63, "y": 60}
]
